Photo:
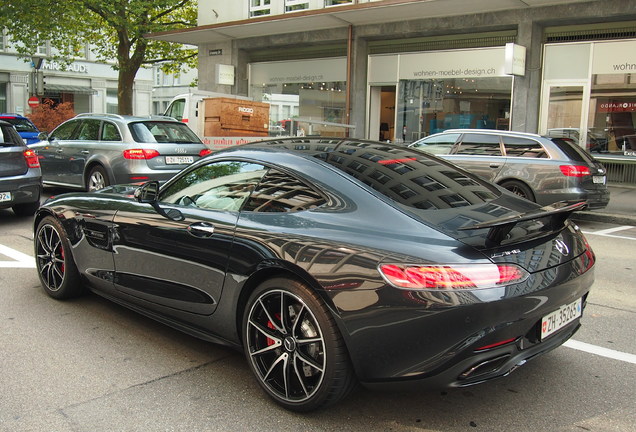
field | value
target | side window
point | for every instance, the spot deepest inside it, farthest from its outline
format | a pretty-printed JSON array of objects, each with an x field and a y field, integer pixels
[
  {"x": 523, "y": 147},
  {"x": 88, "y": 130},
  {"x": 221, "y": 185},
  {"x": 110, "y": 132},
  {"x": 65, "y": 130},
  {"x": 440, "y": 144},
  {"x": 176, "y": 109},
  {"x": 280, "y": 193},
  {"x": 480, "y": 145}
]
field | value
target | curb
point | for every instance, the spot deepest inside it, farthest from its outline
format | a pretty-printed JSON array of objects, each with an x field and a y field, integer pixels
[{"x": 604, "y": 217}]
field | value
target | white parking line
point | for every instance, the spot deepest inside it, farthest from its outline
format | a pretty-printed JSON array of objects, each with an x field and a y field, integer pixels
[
  {"x": 608, "y": 232},
  {"x": 604, "y": 352},
  {"x": 21, "y": 260}
]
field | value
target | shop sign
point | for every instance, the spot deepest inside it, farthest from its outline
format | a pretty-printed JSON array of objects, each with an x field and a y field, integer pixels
[
  {"x": 614, "y": 57},
  {"x": 617, "y": 107},
  {"x": 515, "y": 59},
  {"x": 57, "y": 66},
  {"x": 225, "y": 74},
  {"x": 305, "y": 71},
  {"x": 477, "y": 63}
]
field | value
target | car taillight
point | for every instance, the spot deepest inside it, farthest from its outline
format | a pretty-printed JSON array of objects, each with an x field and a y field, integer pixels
[
  {"x": 575, "y": 170},
  {"x": 32, "y": 159},
  {"x": 452, "y": 276},
  {"x": 140, "y": 153},
  {"x": 205, "y": 152}
]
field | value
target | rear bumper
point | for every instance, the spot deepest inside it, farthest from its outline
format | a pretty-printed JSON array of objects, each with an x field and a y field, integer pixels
[{"x": 24, "y": 190}]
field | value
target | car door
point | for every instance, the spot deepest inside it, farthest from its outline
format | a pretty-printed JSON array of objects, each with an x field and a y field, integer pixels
[
  {"x": 78, "y": 151},
  {"x": 479, "y": 153},
  {"x": 53, "y": 154},
  {"x": 177, "y": 266}
]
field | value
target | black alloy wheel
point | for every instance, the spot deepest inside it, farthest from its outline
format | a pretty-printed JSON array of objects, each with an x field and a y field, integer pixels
[
  {"x": 56, "y": 268},
  {"x": 294, "y": 347},
  {"x": 519, "y": 189}
]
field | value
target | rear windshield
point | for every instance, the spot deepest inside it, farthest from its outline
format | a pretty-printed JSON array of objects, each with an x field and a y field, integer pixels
[
  {"x": 9, "y": 137},
  {"x": 163, "y": 132},
  {"x": 573, "y": 151},
  {"x": 409, "y": 177},
  {"x": 21, "y": 124}
]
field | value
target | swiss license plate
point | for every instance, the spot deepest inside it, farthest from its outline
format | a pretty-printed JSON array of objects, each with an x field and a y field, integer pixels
[
  {"x": 5, "y": 196},
  {"x": 179, "y": 160},
  {"x": 558, "y": 319},
  {"x": 599, "y": 179}
]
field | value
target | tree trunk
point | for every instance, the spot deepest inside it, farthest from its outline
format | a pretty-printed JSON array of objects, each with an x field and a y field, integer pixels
[{"x": 125, "y": 90}]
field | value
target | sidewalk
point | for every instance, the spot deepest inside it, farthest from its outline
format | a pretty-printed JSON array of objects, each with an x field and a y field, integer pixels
[{"x": 621, "y": 209}]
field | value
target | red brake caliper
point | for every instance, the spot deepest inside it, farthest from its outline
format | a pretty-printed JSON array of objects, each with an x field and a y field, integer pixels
[{"x": 270, "y": 325}]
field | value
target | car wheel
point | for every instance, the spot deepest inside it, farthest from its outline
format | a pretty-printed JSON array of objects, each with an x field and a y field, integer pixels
[
  {"x": 519, "y": 189},
  {"x": 97, "y": 179},
  {"x": 294, "y": 347},
  {"x": 56, "y": 268},
  {"x": 27, "y": 209}
]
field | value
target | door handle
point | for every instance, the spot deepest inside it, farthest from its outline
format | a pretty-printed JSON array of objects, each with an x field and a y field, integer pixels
[
  {"x": 494, "y": 165},
  {"x": 85, "y": 152},
  {"x": 201, "y": 229}
]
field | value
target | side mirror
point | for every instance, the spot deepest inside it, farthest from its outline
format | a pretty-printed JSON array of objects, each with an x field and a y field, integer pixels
[
  {"x": 148, "y": 192},
  {"x": 43, "y": 136}
]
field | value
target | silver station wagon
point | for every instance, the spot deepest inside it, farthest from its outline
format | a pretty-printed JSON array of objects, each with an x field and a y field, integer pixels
[
  {"x": 91, "y": 151},
  {"x": 541, "y": 169}
]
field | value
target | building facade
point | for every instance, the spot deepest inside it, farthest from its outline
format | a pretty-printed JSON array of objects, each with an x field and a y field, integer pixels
[
  {"x": 402, "y": 69},
  {"x": 89, "y": 85}
]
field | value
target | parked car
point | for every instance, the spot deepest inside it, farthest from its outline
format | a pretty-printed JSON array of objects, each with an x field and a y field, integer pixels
[
  {"x": 538, "y": 168},
  {"x": 20, "y": 175},
  {"x": 330, "y": 261},
  {"x": 91, "y": 151},
  {"x": 25, "y": 127}
]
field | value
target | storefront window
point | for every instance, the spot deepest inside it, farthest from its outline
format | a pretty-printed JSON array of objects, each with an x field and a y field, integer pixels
[
  {"x": 312, "y": 108},
  {"x": 425, "y": 107},
  {"x": 612, "y": 114}
]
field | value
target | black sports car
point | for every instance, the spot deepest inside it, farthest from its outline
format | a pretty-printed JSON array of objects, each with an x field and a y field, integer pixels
[{"x": 330, "y": 261}]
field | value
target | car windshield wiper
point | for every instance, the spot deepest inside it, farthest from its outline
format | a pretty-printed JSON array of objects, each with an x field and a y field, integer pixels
[{"x": 500, "y": 227}]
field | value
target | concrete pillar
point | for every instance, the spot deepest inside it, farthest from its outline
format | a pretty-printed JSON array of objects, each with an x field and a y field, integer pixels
[
  {"x": 358, "y": 83},
  {"x": 527, "y": 89}
]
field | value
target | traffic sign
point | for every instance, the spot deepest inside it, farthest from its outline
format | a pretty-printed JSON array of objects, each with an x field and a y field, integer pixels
[{"x": 34, "y": 101}]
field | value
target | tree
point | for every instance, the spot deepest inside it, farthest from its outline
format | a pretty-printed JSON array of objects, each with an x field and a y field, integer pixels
[
  {"x": 114, "y": 29},
  {"x": 48, "y": 115}
]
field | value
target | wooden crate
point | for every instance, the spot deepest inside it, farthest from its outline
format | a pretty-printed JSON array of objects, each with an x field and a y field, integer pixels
[{"x": 235, "y": 117}]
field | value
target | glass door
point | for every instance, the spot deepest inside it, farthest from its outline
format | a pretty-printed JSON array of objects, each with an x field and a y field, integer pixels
[{"x": 562, "y": 111}]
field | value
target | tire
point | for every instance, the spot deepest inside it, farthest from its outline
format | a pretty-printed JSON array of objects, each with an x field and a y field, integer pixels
[
  {"x": 97, "y": 178},
  {"x": 27, "y": 209},
  {"x": 294, "y": 348},
  {"x": 518, "y": 188},
  {"x": 57, "y": 270}
]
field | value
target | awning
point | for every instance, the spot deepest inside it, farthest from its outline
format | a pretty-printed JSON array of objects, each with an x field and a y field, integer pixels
[{"x": 64, "y": 88}]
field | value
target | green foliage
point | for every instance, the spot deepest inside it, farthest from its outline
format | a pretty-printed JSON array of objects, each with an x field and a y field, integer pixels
[
  {"x": 112, "y": 27},
  {"x": 115, "y": 30}
]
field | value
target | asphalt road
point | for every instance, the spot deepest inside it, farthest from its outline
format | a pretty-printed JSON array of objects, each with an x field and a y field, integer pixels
[{"x": 90, "y": 365}]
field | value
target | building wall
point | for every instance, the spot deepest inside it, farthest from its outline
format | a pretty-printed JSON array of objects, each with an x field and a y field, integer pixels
[
  {"x": 90, "y": 85},
  {"x": 528, "y": 25}
]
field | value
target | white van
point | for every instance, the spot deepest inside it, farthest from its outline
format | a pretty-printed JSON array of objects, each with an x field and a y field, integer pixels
[{"x": 188, "y": 108}]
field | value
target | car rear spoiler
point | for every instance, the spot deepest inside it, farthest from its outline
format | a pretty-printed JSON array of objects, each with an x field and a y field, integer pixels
[{"x": 499, "y": 228}]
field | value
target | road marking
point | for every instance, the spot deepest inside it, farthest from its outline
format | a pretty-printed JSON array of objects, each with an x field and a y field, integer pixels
[
  {"x": 21, "y": 260},
  {"x": 608, "y": 232},
  {"x": 604, "y": 352}
]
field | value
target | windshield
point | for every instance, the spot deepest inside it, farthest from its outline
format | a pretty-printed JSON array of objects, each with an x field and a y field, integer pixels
[
  {"x": 163, "y": 132},
  {"x": 21, "y": 124}
]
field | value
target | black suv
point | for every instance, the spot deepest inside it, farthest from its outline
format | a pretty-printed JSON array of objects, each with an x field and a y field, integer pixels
[{"x": 20, "y": 175}]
